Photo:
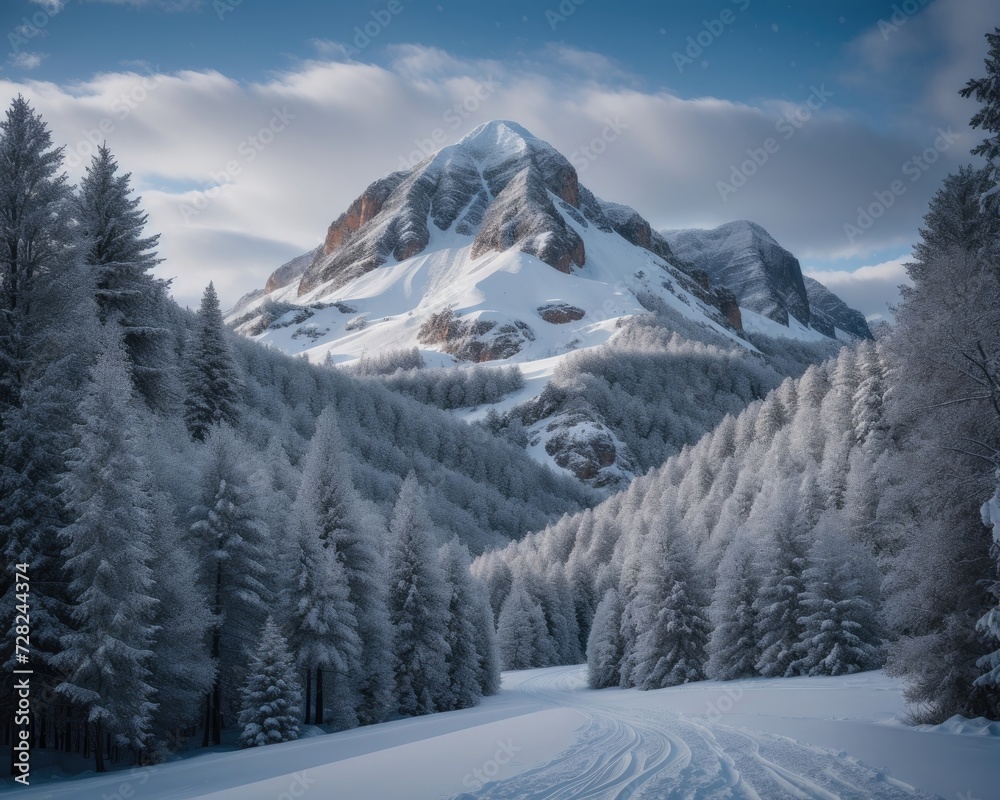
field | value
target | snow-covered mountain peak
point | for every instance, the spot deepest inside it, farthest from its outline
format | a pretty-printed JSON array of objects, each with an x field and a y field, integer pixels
[{"x": 497, "y": 140}]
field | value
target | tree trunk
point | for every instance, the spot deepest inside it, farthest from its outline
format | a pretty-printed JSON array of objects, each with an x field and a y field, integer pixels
[
  {"x": 308, "y": 718},
  {"x": 319, "y": 696},
  {"x": 98, "y": 749},
  {"x": 213, "y": 718}
]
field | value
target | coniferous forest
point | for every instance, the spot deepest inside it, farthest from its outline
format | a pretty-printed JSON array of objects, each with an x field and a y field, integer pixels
[{"x": 224, "y": 541}]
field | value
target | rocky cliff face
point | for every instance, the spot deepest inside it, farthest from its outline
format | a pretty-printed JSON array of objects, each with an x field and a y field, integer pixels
[
  {"x": 742, "y": 257},
  {"x": 829, "y": 311},
  {"x": 499, "y": 185}
]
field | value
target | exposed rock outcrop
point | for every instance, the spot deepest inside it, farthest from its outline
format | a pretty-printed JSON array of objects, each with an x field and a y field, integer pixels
[
  {"x": 560, "y": 313},
  {"x": 742, "y": 257}
]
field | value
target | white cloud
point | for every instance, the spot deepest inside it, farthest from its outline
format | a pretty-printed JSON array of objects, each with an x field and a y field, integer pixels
[
  {"x": 354, "y": 123},
  {"x": 25, "y": 60},
  {"x": 51, "y": 7},
  {"x": 871, "y": 289}
]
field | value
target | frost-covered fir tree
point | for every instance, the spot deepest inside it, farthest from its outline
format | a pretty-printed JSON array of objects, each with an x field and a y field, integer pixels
[
  {"x": 783, "y": 560},
  {"x": 418, "y": 607},
  {"x": 120, "y": 258},
  {"x": 986, "y": 90},
  {"x": 228, "y": 539},
  {"x": 345, "y": 525},
  {"x": 211, "y": 380},
  {"x": 465, "y": 615},
  {"x": 48, "y": 335},
  {"x": 733, "y": 648},
  {"x": 106, "y": 655},
  {"x": 946, "y": 389},
  {"x": 673, "y": 628},
  {"x": 522, "y": 636},
  {"x": 323, "y": 623},
  {"x": 606, "y": 646},
  {"x": 271, "y": 696},
  {"x": 841, "y": 633},
  {"x": 181, "y": 667}
]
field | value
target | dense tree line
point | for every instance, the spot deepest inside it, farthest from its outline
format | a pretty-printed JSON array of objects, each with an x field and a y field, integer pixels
[
  {"x": 849, "y": 520},
  {"x": 405, "y": 371},
  {"x": 189, "y": 502}
]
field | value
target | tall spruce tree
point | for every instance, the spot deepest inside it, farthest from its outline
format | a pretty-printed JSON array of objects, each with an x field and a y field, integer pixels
[
  {"x": 47, "y": 340},
  {"x": 418, "y": 607},
  {"x": 120, "y": 258},
  {"x": 606, "y": 646},
  {"x": 211, "y": 381},
  {"x": 347, "y": 528},
  {"x": 466, "y": 664},
  {"x": 229, "y": 542},
  {"x": 106, "y": 656},
  {"x": 673, "y": 626},
  {"x": 322, "y": 622},
  {"x": 733, "y": 648}
]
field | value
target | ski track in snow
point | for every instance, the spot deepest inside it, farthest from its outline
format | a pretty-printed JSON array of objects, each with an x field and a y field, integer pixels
[{"x": 625, "y": 753}]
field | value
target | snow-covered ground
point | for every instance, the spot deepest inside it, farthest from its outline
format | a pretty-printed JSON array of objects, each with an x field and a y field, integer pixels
[{"x": 548, "y": 736}]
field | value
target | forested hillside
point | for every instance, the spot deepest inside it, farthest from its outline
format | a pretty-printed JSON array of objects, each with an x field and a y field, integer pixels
[
  {"x": 168, "y": 488},
  {"x": 845, "y": 522}
]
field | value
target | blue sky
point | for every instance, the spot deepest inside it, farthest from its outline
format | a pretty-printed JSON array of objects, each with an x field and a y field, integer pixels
[{"x": 186, "y": 93}]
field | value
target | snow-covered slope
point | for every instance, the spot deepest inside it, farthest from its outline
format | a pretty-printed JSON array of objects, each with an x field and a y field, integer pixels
[
  {"x": 547, "y": 735},
  {"x": 496, "y": 229},
  {"x": 491, "y": 250}
]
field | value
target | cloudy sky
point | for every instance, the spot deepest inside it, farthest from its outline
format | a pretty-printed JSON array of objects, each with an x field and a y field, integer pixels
[{"x": 249, "y": 125}]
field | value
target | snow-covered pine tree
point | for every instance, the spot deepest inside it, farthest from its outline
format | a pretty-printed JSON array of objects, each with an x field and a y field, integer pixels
[
  {"x": 228, "y": 539},
  {"x": 606, "y": 647},
  {"x": 841, "y": 633},
  {"x": 47, "y": 345},
  {"x": 464, "y": 616},
  {"x": 986, "y": 90},
  {"x": 181, "y": 669},
  {"x": 522, "y": 636},
  {"x": 271, "y": 696},
  {"x": 211, "y": 380},
  {"x": 783, "y": 560},
  {"x": 322, "y": 622},
  {"x": 673, "y": 627},
  {"x": 418, "y": 607},
  {"x": 733, "y": 648},
  {"x": 111, "y": 224},
  {"x": 346, "y": 526},
  {"x": 943, "y": 407},
  {"x": 105, "y": 657}
]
